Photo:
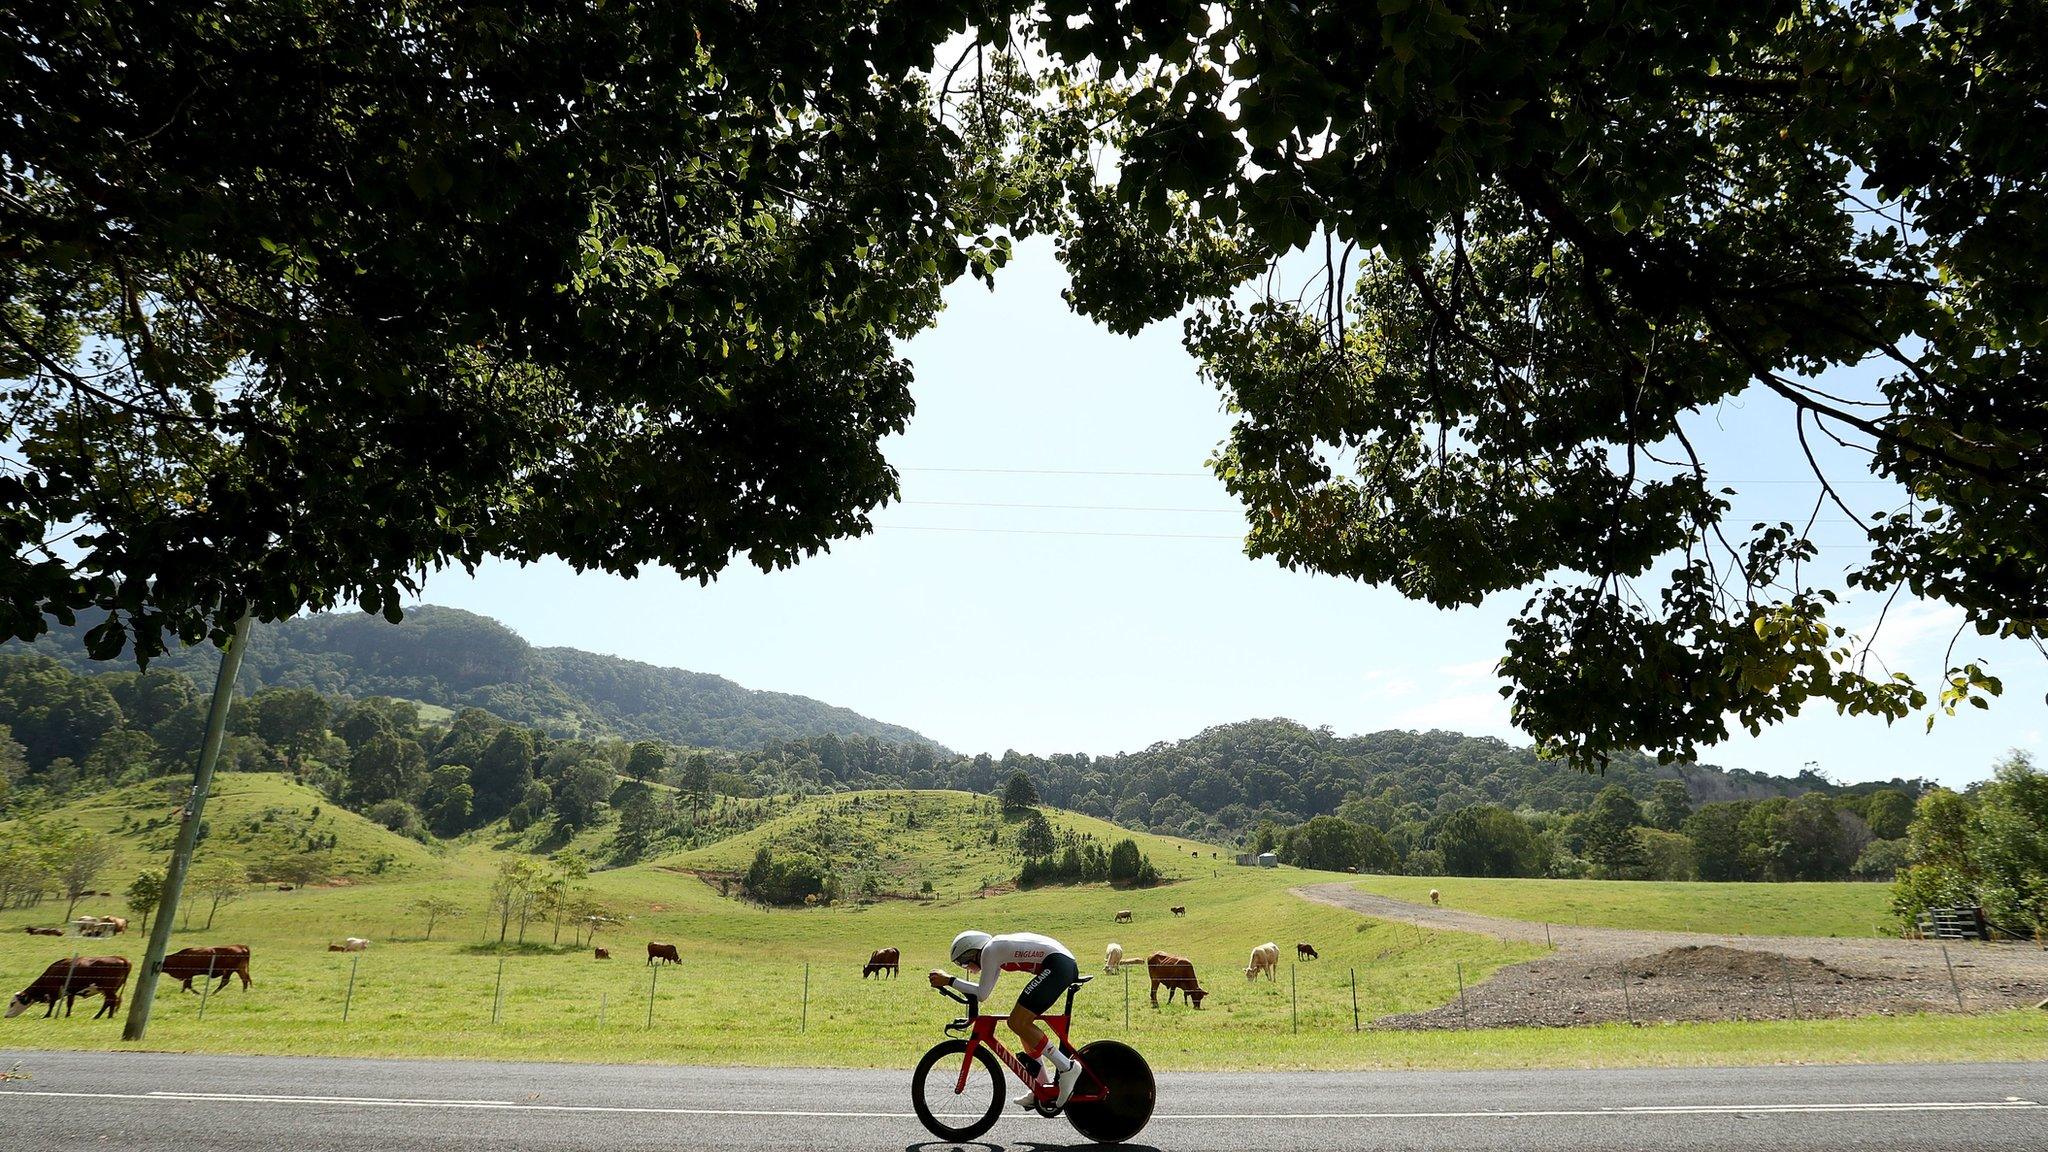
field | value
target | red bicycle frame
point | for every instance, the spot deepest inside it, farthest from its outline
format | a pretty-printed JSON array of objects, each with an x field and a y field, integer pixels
[{"x": 981, "y": 1031}]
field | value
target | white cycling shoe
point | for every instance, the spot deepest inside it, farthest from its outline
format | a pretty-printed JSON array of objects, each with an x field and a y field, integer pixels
[
  {"x": 1066, "y": 1082},
  {"x": 1029, "y": 1099}
]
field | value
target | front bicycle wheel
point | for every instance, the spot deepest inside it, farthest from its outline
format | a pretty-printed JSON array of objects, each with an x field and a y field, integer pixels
[
  {"x": 1128, "y": 1095},
  {"x": 947, "y": 1110}
]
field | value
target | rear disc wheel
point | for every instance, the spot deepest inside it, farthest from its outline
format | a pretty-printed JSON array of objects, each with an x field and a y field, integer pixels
[
  {"x": 962, "y": 1115},
  {"x": 1129, "y": 1093}
]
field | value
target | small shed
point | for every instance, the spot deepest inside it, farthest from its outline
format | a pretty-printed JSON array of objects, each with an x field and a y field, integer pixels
[{"x": 1269, "y": 860}]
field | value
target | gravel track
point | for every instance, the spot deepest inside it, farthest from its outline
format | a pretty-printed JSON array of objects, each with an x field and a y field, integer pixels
[{"x": 1600, "y": 975}]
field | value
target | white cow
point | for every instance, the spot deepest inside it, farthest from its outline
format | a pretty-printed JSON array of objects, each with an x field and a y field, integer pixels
[
  {"x": 1113, "y": 958},
  {"x": 1435, "y": 897},
  {"x": 355, "y": 944},
  {"x": 1265, "y": 958}
]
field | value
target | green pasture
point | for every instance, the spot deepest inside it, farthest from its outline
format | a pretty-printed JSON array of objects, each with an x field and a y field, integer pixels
[
  {"x": 1802, "y": 909},
  {"x": 765, "y": 986}
]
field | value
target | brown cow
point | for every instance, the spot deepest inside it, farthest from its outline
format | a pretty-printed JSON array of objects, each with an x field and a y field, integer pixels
[
  {"x": 120, "y": 923},
  {"x": 1177, "y": 974},
  {"x": 666, "y": 953},
  {"x": 883, "y": 959},
  {"x": 222, "y": 961},
  {"x": 34, "y": 931},
  {"x": 1305, "y": 952},
  {"x": 69, "y": 979},
  {"x": 1123, "y": 916},
  {"x": 602, "y": 953},
  {"x": 1180, "y": 910}
]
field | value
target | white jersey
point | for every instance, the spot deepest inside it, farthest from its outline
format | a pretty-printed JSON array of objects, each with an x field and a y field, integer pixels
[{"x": 1010, "y": 952}]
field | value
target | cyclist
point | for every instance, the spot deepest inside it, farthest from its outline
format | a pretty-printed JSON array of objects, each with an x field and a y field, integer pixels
[{"x": 1053, "y": 970}]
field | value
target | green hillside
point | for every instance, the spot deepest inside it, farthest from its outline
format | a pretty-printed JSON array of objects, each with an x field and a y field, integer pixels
[
  {"x": 906, "y": 838},
  {"x": 254, "y": 818},
  {"x": 453, "y": 659}
]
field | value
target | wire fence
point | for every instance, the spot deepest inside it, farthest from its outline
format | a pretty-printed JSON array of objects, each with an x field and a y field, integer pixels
[{"x": 399, "y": 987}]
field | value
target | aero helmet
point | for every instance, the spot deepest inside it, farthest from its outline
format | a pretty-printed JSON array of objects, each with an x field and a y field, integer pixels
[{"x": 967, "y": 942}]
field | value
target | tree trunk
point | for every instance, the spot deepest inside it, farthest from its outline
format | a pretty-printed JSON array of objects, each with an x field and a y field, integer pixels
[
  {"x": 210, "y": 910},
  {"x": 430, "y": 925},
  {"x": 70, "y": 903}
]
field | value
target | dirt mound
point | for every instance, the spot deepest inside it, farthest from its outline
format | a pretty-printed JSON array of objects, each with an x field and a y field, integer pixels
[
  {"x": 1716, "y": 962},
  {"x": 1689, "y": 982}
]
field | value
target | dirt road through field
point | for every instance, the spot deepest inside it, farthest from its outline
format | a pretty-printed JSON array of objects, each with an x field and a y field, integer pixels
[{"x": 1595, "y": 975}]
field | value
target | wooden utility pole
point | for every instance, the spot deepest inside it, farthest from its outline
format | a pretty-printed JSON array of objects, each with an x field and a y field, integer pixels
[{"x": 188, "y": 834}]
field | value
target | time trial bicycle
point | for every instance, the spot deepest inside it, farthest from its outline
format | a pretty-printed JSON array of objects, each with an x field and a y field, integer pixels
[{"x": 958, "y": 1088}]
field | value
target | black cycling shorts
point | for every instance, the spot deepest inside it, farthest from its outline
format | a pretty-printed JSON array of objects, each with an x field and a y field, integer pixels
[{"x": 1055, "y": 975}]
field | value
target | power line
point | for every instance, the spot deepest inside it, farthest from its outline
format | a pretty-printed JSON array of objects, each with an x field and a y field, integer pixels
[
  {"x": 1210, "y": 475},
  {"x": 1055, "y": 472},
  {"x": 1070, "y": 507},
  {"x": 1052, "y": 532}
]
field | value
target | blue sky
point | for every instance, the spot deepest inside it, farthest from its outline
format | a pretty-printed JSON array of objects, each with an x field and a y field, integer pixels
[{"x": 1064, "y": 576}]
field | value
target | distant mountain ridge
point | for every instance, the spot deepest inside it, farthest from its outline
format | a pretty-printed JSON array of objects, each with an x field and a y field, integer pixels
[{"x": 458, "y": 659}]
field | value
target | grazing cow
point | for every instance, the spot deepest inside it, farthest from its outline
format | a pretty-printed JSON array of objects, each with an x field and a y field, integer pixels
[
  {"x": 1305, "y": 951},
  {"x": 351, "y": 944},
  {"x": 69, "y": 979},
  {"x": 882, "y": 960},
  {"x": 34, "y": 931},
  {"x": 284, "y": 887},
  {"x": 1177, "y": 974},
  {"x": 1435, "y": 897},
  {"x": 666, "y": 953},
  {"x": 1112, "y": 957},
  {"x": 223, "y": 961},
  {"x": 336, "y": 948},
  {"x": 1180, "y": 910},
  {"x": 93, "y": 926},
  {"x": 1265, "y": 958},
  {"x": 1123, "y": 916},
  {"x": 603, "y": 953}
]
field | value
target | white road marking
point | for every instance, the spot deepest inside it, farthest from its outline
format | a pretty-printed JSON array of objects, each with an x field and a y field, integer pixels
[{"x": 1638, "y": 1111}]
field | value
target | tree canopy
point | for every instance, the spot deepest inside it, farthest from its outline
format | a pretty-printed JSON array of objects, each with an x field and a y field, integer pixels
[
  {"x": 301, "y": 302},
  {"x": 1535, "y": 246},
  {"x": 303, "y": 299}
]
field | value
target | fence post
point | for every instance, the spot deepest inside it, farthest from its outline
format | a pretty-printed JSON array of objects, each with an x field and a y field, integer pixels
[
  {"x": 207, "y": 990},
  {"x": 349, "y": 998},
  {"x": 65, "y": 995},
  {"x": 1464, "y": 1012},
  {"x": 653, "y": 975},
  {"x": 1546, "y": 934},
  {"x": 1354, "y": 999},
  {"x": 1628, "y": 1007},
  {"x": 803, "y": 1023},
  {"x": 1952, "y": 982},
  {"x": 498, "y": 993},
  {"x": 1294, "y": 995}
]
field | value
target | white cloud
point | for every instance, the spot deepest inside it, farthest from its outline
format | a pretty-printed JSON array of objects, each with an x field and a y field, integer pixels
[{"x": 1913, "y": 635}]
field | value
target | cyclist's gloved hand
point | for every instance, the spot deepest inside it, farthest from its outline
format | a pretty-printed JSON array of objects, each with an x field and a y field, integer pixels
[{"x": 940, "y": 979}]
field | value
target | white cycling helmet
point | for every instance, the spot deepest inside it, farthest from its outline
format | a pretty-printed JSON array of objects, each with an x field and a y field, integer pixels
[{"x": 968, "y": 942}]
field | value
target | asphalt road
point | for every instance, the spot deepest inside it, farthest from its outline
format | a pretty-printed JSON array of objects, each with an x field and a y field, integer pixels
[{"x": 144, "y": 1101}]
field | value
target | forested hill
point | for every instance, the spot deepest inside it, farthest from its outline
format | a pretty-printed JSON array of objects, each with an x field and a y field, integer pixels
[
  {"x": 1230, "y": 777},
  {"x": 457, "y": 659}
]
